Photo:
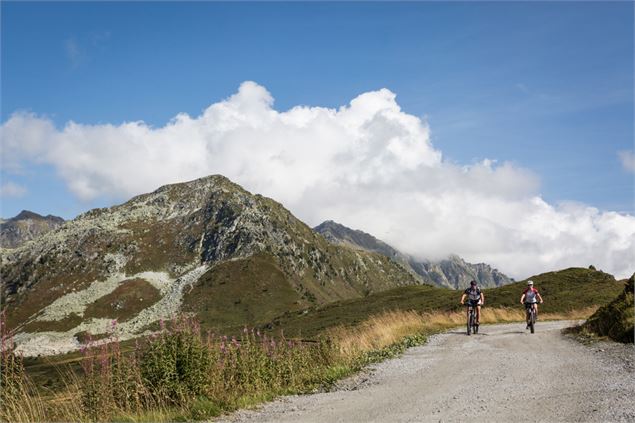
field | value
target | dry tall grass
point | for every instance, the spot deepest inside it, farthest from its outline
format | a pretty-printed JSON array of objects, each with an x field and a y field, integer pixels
[
  {"x": 377, "y": 332},
  {"x": 390, "y": 327}
]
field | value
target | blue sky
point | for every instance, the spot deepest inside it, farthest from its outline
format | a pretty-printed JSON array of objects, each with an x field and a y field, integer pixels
[
  {"x": 548, "y": 86},
  {"x": 499, "y": 131}
]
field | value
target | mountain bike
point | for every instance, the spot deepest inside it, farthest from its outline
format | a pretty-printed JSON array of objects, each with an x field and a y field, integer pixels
[
  {"x": 531, "y": 316},
  {"x": 472, "y": 325}
]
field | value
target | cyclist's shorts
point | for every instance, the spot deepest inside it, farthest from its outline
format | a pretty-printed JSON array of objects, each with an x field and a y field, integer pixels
[
  {"x": 474, "y": 303},
  {"x": 527, "y": 305}
]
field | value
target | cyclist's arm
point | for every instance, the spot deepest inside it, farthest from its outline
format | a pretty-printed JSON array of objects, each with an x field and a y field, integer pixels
[
  {"x": 482, "y": 298},
  {"x": 539, "y": 296},
  {"x": 463, "y": 298},
  {"x": 522, "y": 299}
]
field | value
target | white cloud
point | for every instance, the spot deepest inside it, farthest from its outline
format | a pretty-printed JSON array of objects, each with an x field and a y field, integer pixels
[
  {"x": 368, "y": 165},
  {"x": 627, "y": 158},
  {"x": 11, "y": 189}
]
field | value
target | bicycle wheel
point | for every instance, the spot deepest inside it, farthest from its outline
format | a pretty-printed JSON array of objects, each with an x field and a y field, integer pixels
[
  {"x": 532, "y": 320},
  {"x": 470, "y": 319}
]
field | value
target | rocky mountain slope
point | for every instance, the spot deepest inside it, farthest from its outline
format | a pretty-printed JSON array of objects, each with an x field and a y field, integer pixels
[
  {"x": 207, "y": 246},
  {"x": 26, "y": 226},
  {"x": 453, "y": 272}
]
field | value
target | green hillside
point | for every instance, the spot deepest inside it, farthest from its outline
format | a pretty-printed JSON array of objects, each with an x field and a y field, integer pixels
[
  {"x": 616, "y": 319},
  {"x": 242, "y": 292},
  {"x": 564, "y": 290}
]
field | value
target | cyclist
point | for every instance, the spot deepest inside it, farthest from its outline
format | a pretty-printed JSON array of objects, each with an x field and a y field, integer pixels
[
  {"x": 475, "y": 298},
  {"x": 531, "y": 296}
]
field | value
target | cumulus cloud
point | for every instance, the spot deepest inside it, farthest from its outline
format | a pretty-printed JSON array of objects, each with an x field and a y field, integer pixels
[
  {"x": 368, "y": 165},
  {"x": 11, "y": 189},
  {"x": 627, "y": 158}
]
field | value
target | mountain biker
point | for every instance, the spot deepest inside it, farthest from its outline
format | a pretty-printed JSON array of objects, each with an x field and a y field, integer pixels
[
  {"x": 531, "y": 296},
  {"x": 475, "y": 298}
]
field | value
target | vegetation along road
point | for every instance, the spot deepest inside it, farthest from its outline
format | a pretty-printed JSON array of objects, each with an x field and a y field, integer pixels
[{"x": 502, "y": 374}]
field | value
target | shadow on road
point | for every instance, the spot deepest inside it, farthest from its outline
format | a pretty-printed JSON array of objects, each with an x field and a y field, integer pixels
[{"x": 463, "y": 333}]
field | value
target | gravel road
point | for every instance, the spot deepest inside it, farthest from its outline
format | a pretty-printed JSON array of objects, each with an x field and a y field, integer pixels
[{"x": 502, "y": 374}]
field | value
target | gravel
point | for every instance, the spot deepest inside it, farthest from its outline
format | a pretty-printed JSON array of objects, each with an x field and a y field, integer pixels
[{"x": 502, "y": 374}]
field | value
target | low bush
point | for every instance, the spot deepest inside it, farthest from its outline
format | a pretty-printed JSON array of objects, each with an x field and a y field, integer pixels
[{"x": 615, "y": 320}]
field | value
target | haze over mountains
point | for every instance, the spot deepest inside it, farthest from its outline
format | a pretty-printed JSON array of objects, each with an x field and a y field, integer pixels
[{"x": 453, "y": 272}]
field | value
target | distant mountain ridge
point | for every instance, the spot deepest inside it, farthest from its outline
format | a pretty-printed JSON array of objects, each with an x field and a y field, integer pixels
[
  {"x": 25, "y": 227},
  {"x": 453, "y": 272}
]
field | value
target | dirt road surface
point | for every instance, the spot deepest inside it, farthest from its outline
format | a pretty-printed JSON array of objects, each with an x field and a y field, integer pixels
[{"x": 503, "y": 374}]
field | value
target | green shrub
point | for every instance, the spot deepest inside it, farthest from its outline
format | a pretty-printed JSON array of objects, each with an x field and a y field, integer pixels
[
  {"x": 203, "y": 409},
  {"x": 177, "y": 365},
  {"x": 616, "y": 319}
]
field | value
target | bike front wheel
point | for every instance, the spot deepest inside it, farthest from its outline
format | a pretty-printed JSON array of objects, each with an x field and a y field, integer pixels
[{"x": 532, "y": 322}]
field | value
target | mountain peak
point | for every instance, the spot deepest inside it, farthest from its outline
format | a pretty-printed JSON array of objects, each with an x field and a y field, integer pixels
[
  {"x": 26, "y": 214},
  {"x": 26, "y": 226}
]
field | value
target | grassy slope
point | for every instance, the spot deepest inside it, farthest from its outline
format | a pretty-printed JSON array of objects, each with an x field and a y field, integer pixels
[
  {"x": 565, "y": 290},
  {"x": 242, "y": 292},
  {"x": 616, "y": 319}
]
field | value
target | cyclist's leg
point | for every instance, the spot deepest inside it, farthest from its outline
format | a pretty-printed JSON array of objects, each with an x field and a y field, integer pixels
[{"x": 478, "y": 314}]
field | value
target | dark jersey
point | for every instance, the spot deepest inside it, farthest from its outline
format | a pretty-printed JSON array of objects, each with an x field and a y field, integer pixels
[{"x": 473, "y": 294}]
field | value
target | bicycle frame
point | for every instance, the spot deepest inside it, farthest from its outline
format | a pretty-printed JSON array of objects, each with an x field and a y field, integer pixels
[
  {"x": 530, "y": 314},
  {"x": 471, "y": 320}
]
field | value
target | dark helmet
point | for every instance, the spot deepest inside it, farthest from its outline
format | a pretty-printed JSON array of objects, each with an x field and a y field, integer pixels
[{"x": 473, "y": 283}]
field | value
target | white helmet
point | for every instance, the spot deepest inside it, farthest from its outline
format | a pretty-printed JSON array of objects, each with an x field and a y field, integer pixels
[{"x": 530, "y": 282}]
